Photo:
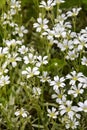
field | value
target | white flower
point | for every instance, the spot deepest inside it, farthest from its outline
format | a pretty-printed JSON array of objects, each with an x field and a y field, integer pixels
[
  {"x": 72, "y": 34},
  {"x": 83, "y": 106},
  {"x": 73, "y": 12},
  {"x": 30, "y": 72},
  {"x": 61, "y": 18},
  {"x": 11, "y": 24},
  {"x": 21, "y": 112},
  {"x": 75, "y": 90},
  {"x": 44, "y": 78},
  {"x": 3, "y": 69},
  {"x": 58, "y": 82},
  {"x": 4, "y": 80},
  {"x": 75, "y": 77},
  {"x": 68, "y": 109},
  {"x": 72, "y": 124},
  {"x": 48, "y": 5},
  {"x": 59, "y": 1},
  {"x": 13, "y": 59},
  {"x": 76, "y": 41},
  {"x": 59, "y": 30},
  {"x": 12, "y": 42},
  {"x": 13, "y": 12},
  {"x": 15, "y": 5},
  {"x": 6, "y": 17},
  {"x": 82, "y": 42},
  {"x": 50, "y": 34},
  {"x": 52, "y": 113},
  {"x": 84, "y": 82},
  {"x": 23, "y": 49},
  {"x": 30, "y": 59},
  {"x": 20, "y": 31},
  {"x": 84, "y": 61},
  {"x": 3, "y": 51},
  {"x": 59, "y": 96},
  {"x": 41, "y": 24},
  {"x": 41, "y": 61},
  {"x": 65, "y": 45},
  {"x": 72, "y": 55},
  {"x": 84, "y": 33}
]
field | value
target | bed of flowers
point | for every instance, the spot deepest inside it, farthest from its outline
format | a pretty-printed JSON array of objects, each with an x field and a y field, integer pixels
[{"x": 43, "y": 78}]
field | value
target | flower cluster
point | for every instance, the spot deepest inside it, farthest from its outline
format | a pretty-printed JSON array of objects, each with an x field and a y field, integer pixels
[
  {"x": 49, "y": 85},
  {"x": 73, "y": 46}
]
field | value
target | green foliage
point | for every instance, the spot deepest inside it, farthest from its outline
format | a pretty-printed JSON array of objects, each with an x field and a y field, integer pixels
[
  {"x": 84, "y": 3},
  {"x": 2, "y": 3},
  {"x": 71, "y": 3},
  {"x": 74, "y": 3},
  {"x": 56, "y": 66}
]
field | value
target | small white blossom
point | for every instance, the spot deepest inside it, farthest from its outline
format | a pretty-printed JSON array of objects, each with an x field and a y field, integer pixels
[
  {"x": 61, "y": 18},
  {"x": 3, "y": 69},
  {"x": 41, "y": 24},
  {"x": 52, "y": 113},
  {"x": 84, "y": 33},
  {"x": 50, "y": 34},
  {"x": 76, "y": 90},
  {"x": 4, "y": 80},
  {"x": 72, "y": 55},
  {"x": 21, "y": 112},
  {"x": 30, "y": 59},
  {"x": 3, "y": 51},
  {"x": 59, "y": 1},
  {"x": 84, "y": 61},
  {"x": 68, "y": 109},
  {"x": 73, "y": 124},
  {"x": 6, "y": 17},
  {"x": 12, "y": 42},
  {"x": 74, "y": 76},
  {"x": 59, "y": 30},
  {"x": 41, "y": 61},
  {"x": 20, "y": 31},
  {"x": 73, "y": 12},
  {"x": 30, "y": 72},
  {"x": 48, "y": 5},
  {"x": 59, "y": 96},
  {"x": 82, "y": 42},
  {"x": 23, "y": 49},
  {"x": 65, "y": 45},
  {"x": 44, "y": 78},
  {"x": 13, "y": 59},
  {"x": 58, "y": 82},
  {"x": 83, "y": 106},
  {"x": 16, "y": 5}
]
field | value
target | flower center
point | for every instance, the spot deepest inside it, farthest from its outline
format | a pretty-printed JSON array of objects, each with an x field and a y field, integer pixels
[{"x": 75, "y": 78}]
